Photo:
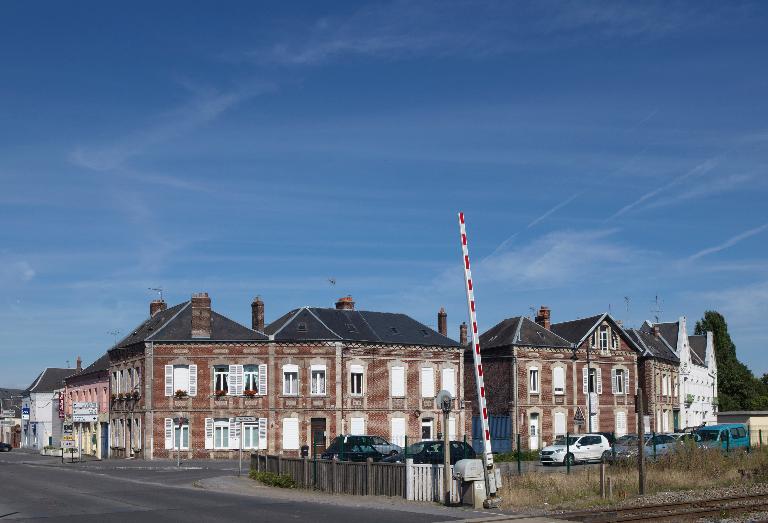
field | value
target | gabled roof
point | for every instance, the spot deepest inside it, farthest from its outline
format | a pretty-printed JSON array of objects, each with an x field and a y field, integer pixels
[
  {"x": 521, "y": 331},
  {"x": 320, "y": 324},
  {"x": 100, "y": 365},
  {"x": 576, "y": 330},
  {"x": 669, "y": 331},
  {"x": 175, "y": 324},
  {"x": 652, "y": 346},
  {"x": 49, "y": 380},
  {"x": 698, "y": 344}
]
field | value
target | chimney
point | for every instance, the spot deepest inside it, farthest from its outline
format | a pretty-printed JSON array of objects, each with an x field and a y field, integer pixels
[
  {"x": 442, "y": 322},
  {"x": 463, "y": 334},
  {"x": 156, "y": 306},
  {"x": 656, "y": 331},
  {"x": 79, "y": 364},
  {"x": 543, "y": 318},
  {"x": 345, "y": 303},
  {"x": 201, "y": 315},
  {"x": 257, "y": 314}
]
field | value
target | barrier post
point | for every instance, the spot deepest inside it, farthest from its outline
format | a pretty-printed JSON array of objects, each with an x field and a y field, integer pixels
[
  {"x": 567, "y": 451},
  {"x": 519, "y": 463}
]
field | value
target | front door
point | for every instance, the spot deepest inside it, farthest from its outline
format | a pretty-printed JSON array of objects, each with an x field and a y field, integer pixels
[
  {"x": 104, "y": 440},
  {"x": 533, "y": 442},
  {"x": 317, "y": 426},
  {"x": 676, "y": 420}
]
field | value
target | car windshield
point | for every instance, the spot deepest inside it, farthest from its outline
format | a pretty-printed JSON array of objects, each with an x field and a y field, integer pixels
[
  {"x": 560, "y": 440},
  {"x": 628, "y": 439},
  {"x": 425, "y": 446},
  {"x": 708, "y": 435}
]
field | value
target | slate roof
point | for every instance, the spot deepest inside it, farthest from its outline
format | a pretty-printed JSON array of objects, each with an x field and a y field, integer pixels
[
  {"x": 698, "y": 346},
  {"x": 10, "y": 399},
  {"x": 652, "y": 346},
  {"x": 49, "y": 380},
  {"x": 575, "y": 330},
  {"x": 175, "y": 324},
  {"x": 520, "y": 330},
  {"x": 321, "y": 324},
  {"x": 669, "y": 331},
  {"x": 100, "y": 365}
]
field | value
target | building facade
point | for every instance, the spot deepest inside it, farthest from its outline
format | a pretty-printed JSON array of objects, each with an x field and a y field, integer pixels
[
  {"x": 10, "y": 417},
  {"x": 91, "y": 385},
  {"x": 42, "y": 412}
]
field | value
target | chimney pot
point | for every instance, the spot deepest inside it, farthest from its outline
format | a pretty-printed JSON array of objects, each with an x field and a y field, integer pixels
[
  {"x": 345, "y": 303},
  {"x": 201, "y": 315},
  {"x": 79, "y": 364},
  {"x": 544, "y": 316},
  {"x": 257, "y": 314},
  {"x": 156, "y": 306},
  {"x": 442, "y": 322},
  {"x": 463, "y": 334}
]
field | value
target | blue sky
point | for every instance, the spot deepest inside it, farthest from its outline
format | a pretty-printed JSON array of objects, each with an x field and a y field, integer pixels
[{"x": 600, "y": 150}]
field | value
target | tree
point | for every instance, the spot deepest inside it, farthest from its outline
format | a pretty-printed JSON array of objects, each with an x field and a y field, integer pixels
[{"x": 737, "y": 387}]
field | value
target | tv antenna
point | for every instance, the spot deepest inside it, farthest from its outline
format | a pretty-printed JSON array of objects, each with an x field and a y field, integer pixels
[
  {"x": 114, "y": 334},
  {"x": 626, "y": 304},
  {"x": 158, "y": 290},
  {"x": 656, "y": 309},
  {"x": 332, "y": 281}
]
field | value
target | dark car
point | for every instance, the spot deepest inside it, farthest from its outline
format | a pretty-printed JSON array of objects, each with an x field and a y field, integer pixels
[
  {"x": 431, "y": 452},
  {"x": 5, "y": 447},
  {"x": 352, "y": 448}
]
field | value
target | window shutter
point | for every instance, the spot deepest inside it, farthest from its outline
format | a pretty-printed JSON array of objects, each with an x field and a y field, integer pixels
[
  {"x": 290, "y": 433},
  {"x": 584, "y": 379},
  {"x": 168, "y": 380},
  {"x": 193, "y": 380},
  {"x": 559, "y": 423},
  {"x": 169, "y": 443},
  {"x": 356, "y": 369},
  {"x": 613, "y": 381},
  {"x": 262, "y": 433},
  {"x": 239, "y": 380},
  {"x": 427, "y": 382},
  {"x": 262, "y": 380},
  {"x": 398, "y": 431},
  {"x": 398, "y": 382},
  {"x": 599, "y": 375},
  {"x": 626, "y": 382},
  {"x": 357, "y": 426},
  {"x": 449, "y": 381},
  {"x": 234, "y": 434},
  {"x": 231, "y": 380},
  {"x": 208, "y": 433},
  {"x": 452, "y": 429}
]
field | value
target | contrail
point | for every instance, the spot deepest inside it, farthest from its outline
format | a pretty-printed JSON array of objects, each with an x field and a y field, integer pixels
[{"x": 730, "y": 243}]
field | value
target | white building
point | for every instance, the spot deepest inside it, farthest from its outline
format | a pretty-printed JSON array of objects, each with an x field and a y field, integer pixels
[
  {"x": 41, "y": 423},
  {"x": 698, "y": 373}
]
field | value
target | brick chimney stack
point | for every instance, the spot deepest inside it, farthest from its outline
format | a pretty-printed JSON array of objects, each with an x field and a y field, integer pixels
[
  {"x": 156, "y": 306},
  {"x": 79, "y": 364},
  {"x": 345, "y": 303},
  {"x": 442, "y": 322},
  {"x": 656, "y": 331},
  {"x": 257, "y": 314},
  {"x": 543, "y": 318},
  {"x": 463, "y": 334},
  {"x": 201, "y": 315}
]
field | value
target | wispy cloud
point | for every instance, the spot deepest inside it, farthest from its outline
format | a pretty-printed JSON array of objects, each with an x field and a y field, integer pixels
[
  {"x": 730, "y": 242},
  {"x": 713, "y": 186},
  {"x": 14, "y": 271}
]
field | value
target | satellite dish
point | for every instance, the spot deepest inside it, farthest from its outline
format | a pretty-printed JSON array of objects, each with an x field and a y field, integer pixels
[{"x": 444, "y": 400}]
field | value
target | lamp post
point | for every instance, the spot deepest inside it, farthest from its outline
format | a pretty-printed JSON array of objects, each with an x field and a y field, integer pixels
[{"x": 589, "y": 381}]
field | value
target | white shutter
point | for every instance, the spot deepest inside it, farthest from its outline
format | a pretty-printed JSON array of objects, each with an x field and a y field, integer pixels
[
  {"x": 263, "y": 433},
  {"x": 398, "y": 382},
  {"x": 613, "y": 381},
  {"x": 559, "y": 423},
  {"x": 621, "y": 424},
  {"x": 398, "y": 431},
  {"x": 262, "y": 380},
  {"x": 168, "y": 380},
  {"x": 239, "y": 380},
  {"x": 208, "y": 433},
  {"x": 599, "y": 375},
  {"x": 357, "y": 426},
  {"x": 449, "y": 381},
  {"x": 234, "y": 434},
  {"x": 232, "y": 380},
  {"x": 427, "y": 382},
  {"x": 193, "y": 380},
  {"x": 290, "y": 433},
  {"x": 584, "y": 379},
  {"x": 169, "y": 443},
  {"x": 452, "y": 429},
  {"x": 356, "y": 369},
  {"x": 558, "y": 380},
  {"x": 626, "y": 381}
]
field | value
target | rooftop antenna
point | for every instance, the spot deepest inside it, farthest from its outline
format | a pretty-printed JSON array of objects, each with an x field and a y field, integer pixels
[
  {"x": 656, "y": 309},
  {"x": 114, "y": 334},
  {"x": 332, "y": 281},
  {"x": 158, "y": 290},
  {"x": 626, "y": 303},
  {"x": 533, "y": 311},
  {"x": 67, "y": 363}
]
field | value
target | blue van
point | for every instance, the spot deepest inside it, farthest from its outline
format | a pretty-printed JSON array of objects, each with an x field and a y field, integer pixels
[{"x": 724, "y": 435}]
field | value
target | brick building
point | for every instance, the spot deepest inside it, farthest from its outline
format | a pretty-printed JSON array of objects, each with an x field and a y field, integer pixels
[
  {"x": 91, "y": 385},
  {"x": 310, "y": 374},
  {"x": 540, "y": 374}
]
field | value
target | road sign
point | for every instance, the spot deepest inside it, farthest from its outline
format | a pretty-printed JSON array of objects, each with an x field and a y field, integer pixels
[
  {"x": 68, "y": 441},
  {"x": 8, "y": 414},
  {"x": 68, "y": 428},
  {"x": 24, "y": 412},
  {"x": 85, "y": 407},
  {"x": 578, "y": 418},
  {"x": 245, "y": 419}
]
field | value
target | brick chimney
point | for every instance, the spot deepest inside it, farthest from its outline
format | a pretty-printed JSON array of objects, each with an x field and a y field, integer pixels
[
  {"x": 656, "y": 331},
  {"x": 201, "y": 315},
  {"x": 543, "y": 318},
  {"x": 345, "y": 303},
  {"x": 79, "y": 364},
  {"x": 463, "y": 333},
  {"x": 442, "y": 322},
  {"x": 257, "y": 314},
  {"x": 156, "y": 306}
]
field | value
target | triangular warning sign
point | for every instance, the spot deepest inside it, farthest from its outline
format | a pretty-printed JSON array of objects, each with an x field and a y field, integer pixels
[{"x": 579, "y": 416}]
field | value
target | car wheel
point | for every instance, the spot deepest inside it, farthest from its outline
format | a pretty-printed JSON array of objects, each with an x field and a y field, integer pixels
[
  {"x": 393, "y": 453},
  {"x": 607, "y": 456},
  {"x": 569, "y": 459}
]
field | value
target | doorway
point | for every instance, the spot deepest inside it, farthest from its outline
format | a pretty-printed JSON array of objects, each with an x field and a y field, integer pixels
[
  {"x": 317, "y": 426},
  {"x": 533, "y": 440}
]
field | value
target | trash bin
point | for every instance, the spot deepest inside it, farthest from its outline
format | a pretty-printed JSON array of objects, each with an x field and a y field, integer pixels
[{"x": 472, "y": 489}]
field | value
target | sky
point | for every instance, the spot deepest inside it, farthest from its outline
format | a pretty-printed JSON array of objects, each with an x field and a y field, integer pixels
[{"x": 604, "y": 153}]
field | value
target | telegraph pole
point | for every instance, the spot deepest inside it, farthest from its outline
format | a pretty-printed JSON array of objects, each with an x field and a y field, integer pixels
[{"x": 640, "y": 442}]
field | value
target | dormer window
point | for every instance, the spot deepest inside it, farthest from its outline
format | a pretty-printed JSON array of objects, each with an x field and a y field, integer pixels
[
  {"x": 394, "y": 330},
  {"x": 301, "y": 327},
  {"x": 604, "y": 338},
  {"x": 351, "y": 327},
  {"x": 425, "y": 332}
]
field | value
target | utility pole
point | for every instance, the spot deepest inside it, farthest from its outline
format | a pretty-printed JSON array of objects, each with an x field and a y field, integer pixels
[{"x": 640, "y": 442}]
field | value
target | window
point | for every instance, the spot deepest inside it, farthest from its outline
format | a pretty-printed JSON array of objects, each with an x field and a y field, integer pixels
[
  {"x": 181, "y": 436},
  {"x": 533, "y": 380},
  {"x": 448, "y": 378},
  {"x": 426, "y": 428},
  {"x": 604, "y": 338},
  {"x": 301, "y": 327},
  {"x": 221, "y": 433},
  {"x": 250, "y": 436},
  {"x": 318, "y": 380},
  {"x": 618, "y": 386},
  {"x": 290, "y": 433},
  {"x": 397, "y": 389},
  {"x": 558, "y": 380},
  {"x": 615, "y": 342},
  {"x": 290, "y": 380},
  {"x": 221, "y": 378},
  {"x": 251, "y": 378},
  {"x": 427, "y": 382},
  {"x": 121, "y": 381},
  {"x": 592, "y": 380},
  {"x": 356, "y": 374},
  {"x": 559, "y": 424},
  {"x": 181, "y": 378}
]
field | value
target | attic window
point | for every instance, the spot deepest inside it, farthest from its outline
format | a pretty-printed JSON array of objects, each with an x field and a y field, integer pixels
[
  {"x": 394, "y": 330},
  {"x": 301, "y": 327},
  {"x": 425, "y": 332},
  {"x": 351, "y": 328}
]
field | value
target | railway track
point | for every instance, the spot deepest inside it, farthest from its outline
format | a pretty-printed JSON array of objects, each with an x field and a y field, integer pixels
[{"x": 688, "y": 511}]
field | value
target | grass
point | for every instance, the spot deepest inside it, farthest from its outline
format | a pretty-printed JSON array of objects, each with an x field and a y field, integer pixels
[
  {"x": 525, "y": 455},
  {"x": 689, "y": 468},
  {"x": 272, "y": 479}
]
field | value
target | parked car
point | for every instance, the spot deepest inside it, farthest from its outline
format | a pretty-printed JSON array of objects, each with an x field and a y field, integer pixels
[
  {"x": 580, "y": 448},
  {"x": 724, "y": 435},
  {"x": 5, "y": 447},
  {"x": 685, "y": 437},
  {"x": 385, "y": 447},
  {"x": 626, "y": 446},
  {"x": 431, "y": 452},
  {"x": 352, "y": 448}
]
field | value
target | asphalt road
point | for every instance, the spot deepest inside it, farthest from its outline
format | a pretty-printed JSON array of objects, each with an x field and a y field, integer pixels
[{"x": 34, "y": 488}]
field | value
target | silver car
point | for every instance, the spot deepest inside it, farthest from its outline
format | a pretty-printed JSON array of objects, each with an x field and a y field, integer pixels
[{"x": 385, "y": 447}]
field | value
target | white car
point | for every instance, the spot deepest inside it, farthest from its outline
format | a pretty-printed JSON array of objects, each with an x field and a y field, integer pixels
[{"x": 581, "y": 448}]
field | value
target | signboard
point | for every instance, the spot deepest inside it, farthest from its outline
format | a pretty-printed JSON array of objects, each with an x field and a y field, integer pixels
[
  {"x": 578, "y": 418},
  {"x": 68, "y": 441},
  {"x": 24, "y": 412},
  {"x": 593, "y": 403},
  {"x": 61, "y": 405},
  {"x": 8, "y": 414},
  {"x": 6, "y": 423},
  {"x": 67, "y": 428},
  {"x": 245, "y": 419},
  {"x": 85, "y": 412}
]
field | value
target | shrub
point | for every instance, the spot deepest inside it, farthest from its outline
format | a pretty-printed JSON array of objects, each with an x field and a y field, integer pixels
[
  {"x": 272, "y": 479},
  {"x": 525, "y": 455}
]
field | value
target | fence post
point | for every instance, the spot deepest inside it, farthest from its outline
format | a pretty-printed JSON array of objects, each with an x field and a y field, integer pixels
[
  {"x": 519, "y": 464},
  {"x": 727, "y": 440},
  {"x": 760, "y": 435},
  {"x": 749, "y": 439},
  {"x": 279, "y": 464},
  {"x": 306, "y": 471},
  {"x": 567, "y": 451},
  {"x": 602, "y": 479},
  {"x": 409, "y": 478},
  {"x": 369, "y": 477},
  {"x": 653, "y": 438}
]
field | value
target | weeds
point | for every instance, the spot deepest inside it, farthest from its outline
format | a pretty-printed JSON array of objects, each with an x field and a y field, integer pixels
[{"x": 272, "y": 479}]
